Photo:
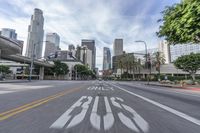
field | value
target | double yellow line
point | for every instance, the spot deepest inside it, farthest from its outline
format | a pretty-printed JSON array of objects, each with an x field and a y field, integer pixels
[{"x": 12, "y": 112}]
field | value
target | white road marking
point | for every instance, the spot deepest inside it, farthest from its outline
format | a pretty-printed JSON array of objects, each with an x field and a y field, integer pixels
[
  {"x": 94, "y": 117},
  {"x": 100, "y": 88},
  {"x": 108, "y": 119},
  {"x": 127, "y": 121},
  {"x": 177, "y": 91},
  {"x": 140, "y": 122},
  {"x": 4, "y": 92},
  {"x": 63, "y": 119},
  {"x": 171, "y": 110},
  {"x": 78, "y": 118},
  {"x": 111, "y": 88}
]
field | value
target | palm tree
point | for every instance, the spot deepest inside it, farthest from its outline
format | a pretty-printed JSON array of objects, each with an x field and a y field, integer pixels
[
  {"x": 120, "y": 65},
  {"x": 157, "y": 60}
]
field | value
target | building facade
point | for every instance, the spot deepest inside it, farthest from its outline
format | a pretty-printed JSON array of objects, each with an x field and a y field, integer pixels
[
  {"x": 86, "y": 56},
  {"x": 164, "y": 48},
  {"x": 35, "y": 34},
  {"x": 118, "y": 47},
  {"x": 52, "y": 44},
  {"x": 9, "y": 33},
  {"x": 183, "y": 49},
  {"x": 71, "y": 47},
  {"x": 53, "y": 38},
  {"x": 106, "y": 59},
  {"x": 91, "y": 46}
]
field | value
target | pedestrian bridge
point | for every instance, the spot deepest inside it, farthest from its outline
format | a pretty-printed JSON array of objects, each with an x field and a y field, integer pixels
[{"x": 11, "y": 50}]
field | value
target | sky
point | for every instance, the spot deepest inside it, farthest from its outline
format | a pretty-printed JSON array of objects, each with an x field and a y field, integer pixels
[{"x": 101, "y": 20}]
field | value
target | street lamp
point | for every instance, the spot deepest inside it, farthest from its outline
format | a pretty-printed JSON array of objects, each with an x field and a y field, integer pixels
[
  {"x": 33, "y": 57},
  {"x": 147, "y": 56},
  {"x": 145, "y": 47}
]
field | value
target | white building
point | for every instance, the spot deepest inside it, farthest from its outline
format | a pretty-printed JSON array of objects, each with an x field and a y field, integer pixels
[
  {"x": 183, "y": 49},
  {"x": 164, "y": 48},
  {"x": 118, "y": 47},
  {"x": 9, "y": 33},
  {"x": 35, "y": 34},
  {"x": 90, "y": 44},
  {"x": 52, "y": 43},
  {"x": 86, "y": 56}
]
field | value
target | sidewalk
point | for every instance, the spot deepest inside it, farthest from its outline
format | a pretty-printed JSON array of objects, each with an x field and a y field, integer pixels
[
  {"x": 13, "y": 81},
  {"x": 187, "y": 87}
]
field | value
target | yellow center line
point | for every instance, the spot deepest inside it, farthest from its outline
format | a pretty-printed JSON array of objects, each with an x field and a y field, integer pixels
[{"x": 12, "y": 112}]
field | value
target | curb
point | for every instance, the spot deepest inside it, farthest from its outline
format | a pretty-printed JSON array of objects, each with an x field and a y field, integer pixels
[
  {"x": 165, "y": 86},
  {"x": 176, "y": 87}
]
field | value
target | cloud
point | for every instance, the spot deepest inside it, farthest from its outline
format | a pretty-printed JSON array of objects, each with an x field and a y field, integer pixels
[{"x": 101, "y": 20}]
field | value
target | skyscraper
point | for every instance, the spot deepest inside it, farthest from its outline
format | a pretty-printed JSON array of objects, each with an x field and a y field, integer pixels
[
  {"x": 106, "y": 58},
  {"x": 35, "y": 34},
  {"x": 91, "y": 46},
  {"x": 71, "y": 47},
  {"x": 9, "y": 33},
  {"x": 52, "y": 43},
  {"x": 118, "y": 47}
]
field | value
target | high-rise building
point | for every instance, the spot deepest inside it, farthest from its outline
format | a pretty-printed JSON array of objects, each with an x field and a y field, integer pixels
[
  {"x": 164, "y": 48},
  {"x": 118, "y": 47},
  {"x": 53, "y": 38},
  {"x": 86, "y": 56},
  {"x": 35, "y": 34},
  {"x": 9, "y": 33},
  {"x": 78, "y": 52},
  {"x": 183, "y": 49},
  {"x": 71, "y": 47},
  {"x": 52, "y": 43},
  {"x": 91, "y": 46},
  {"x": 106, "y": 58}
]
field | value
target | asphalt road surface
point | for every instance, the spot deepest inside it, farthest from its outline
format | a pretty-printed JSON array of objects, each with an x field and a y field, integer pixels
[{"x": 97, "y": 107}]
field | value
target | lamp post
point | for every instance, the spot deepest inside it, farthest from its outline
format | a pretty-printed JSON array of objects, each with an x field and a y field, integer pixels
[
  {"x": 33, "y": 58},
  {"x": 146, "y": 55},
  {"x": 145, "y": 47}
]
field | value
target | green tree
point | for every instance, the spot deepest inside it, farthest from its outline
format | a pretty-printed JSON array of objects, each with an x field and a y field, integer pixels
[
  {"x": 4, "y": 69},
  {"x": 180, "y": 23},
  {"x": 128, "y": 63},
  {"x": 83, "y": 71},
  {"x": 60, "y": 68},
  {"x": 189, "y": 63},
  {"x": 157, "y": 60}
]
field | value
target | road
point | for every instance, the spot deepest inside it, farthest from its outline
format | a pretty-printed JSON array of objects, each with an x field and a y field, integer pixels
[{"x": 97, "y": 106}]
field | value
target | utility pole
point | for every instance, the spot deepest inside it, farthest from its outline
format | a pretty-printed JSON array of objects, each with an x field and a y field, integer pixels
[
  {"x": 33, "y": 57},
  {"x": 149, "y": 67}
]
